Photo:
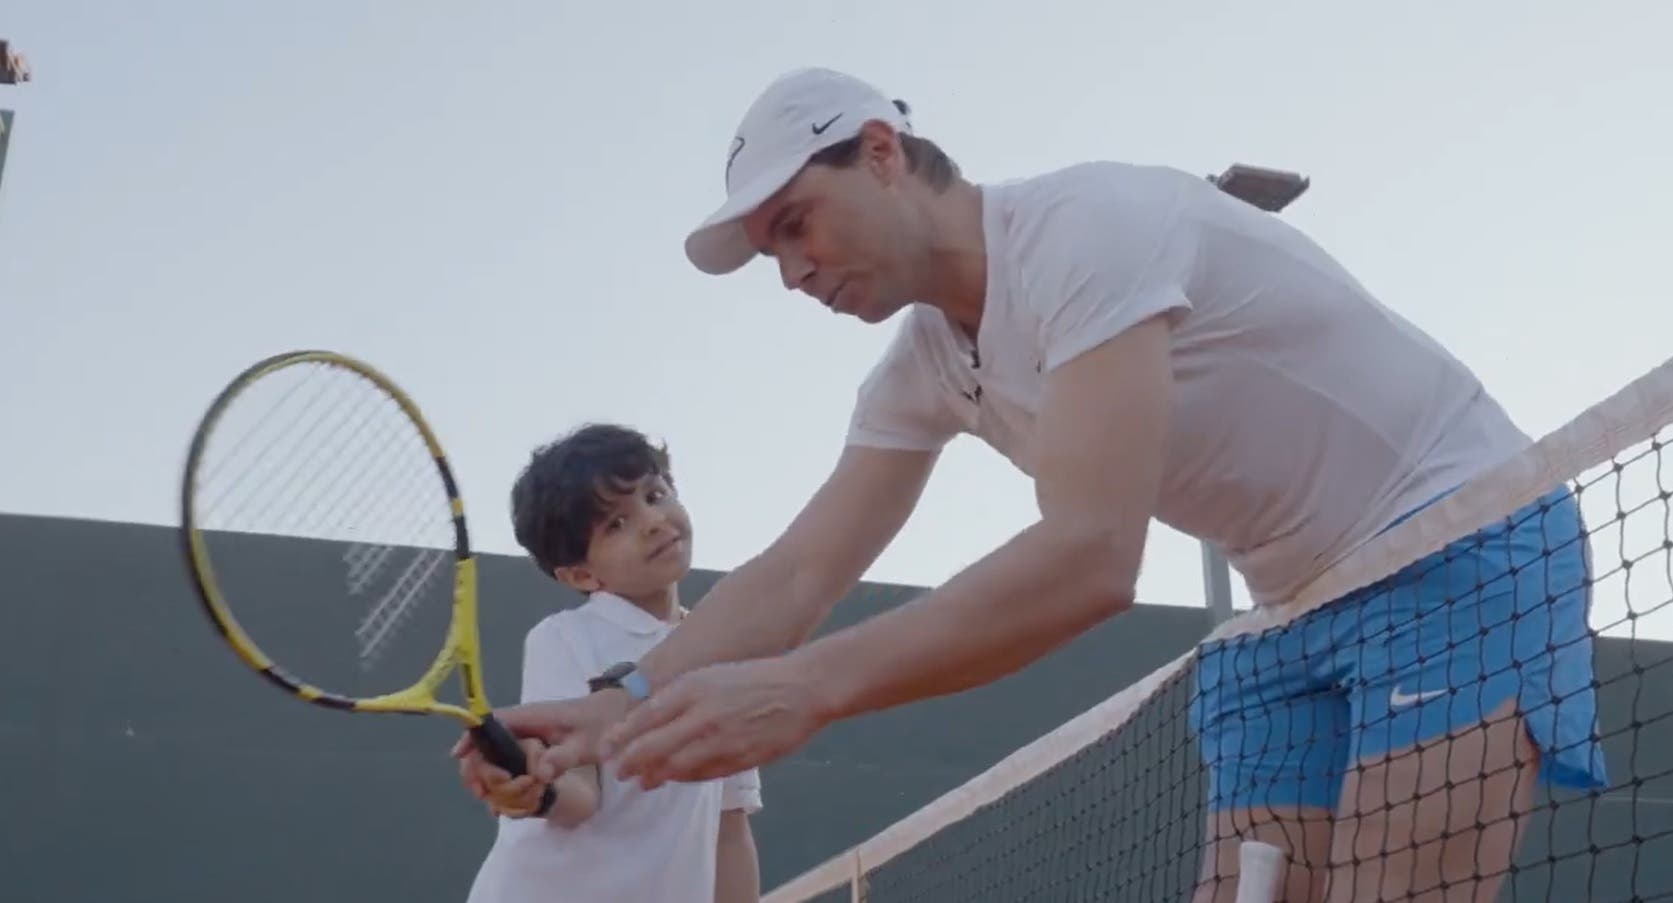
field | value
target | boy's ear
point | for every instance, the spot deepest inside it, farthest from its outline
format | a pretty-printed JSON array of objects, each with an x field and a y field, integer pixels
[{"x": 578, "y": 578}]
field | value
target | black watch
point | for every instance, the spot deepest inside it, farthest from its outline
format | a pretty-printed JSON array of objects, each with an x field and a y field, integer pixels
[{"x": 624, "y": 676}]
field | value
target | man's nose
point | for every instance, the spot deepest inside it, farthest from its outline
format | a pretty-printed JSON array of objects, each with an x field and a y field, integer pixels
[{"x": 794, "y": 269}]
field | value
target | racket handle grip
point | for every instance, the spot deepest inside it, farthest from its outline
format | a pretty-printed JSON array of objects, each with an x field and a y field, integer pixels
[{"x": 501, "y": 748}]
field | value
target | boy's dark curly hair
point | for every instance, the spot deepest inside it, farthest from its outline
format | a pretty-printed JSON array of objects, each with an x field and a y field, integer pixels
[{"x": 563, "y": 491}]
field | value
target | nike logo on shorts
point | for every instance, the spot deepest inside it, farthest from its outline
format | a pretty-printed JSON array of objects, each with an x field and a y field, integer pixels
[{"x": 1398, "y": 699}]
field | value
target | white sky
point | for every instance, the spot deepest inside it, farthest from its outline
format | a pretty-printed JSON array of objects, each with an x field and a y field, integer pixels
[{"x": 488, "y": 201}]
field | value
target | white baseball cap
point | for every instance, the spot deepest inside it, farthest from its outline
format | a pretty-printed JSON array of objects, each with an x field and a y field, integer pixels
[{"x": 800, "y": 113}]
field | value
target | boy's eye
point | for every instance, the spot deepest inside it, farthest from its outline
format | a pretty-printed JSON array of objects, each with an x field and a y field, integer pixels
[
  {"x": 655, "y": 494},
  {"x": 615, "y": 523}
]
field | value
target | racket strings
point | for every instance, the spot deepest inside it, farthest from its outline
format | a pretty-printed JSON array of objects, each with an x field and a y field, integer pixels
[
  {"x": 308, "y": 469},
  {"x": 248, "y": 457},
  {"x": 211, "y": 468},
  {"x": 284, "y": 441},
  {"x": 366, "y": 484}
]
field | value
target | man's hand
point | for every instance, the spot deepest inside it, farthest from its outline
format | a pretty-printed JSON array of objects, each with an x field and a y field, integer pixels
[
  {"x": 556, "y": 736},
  {"x": 716, "y": 721}
]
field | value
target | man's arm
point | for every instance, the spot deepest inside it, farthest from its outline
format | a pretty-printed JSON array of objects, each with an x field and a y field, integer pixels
[
  {"x": 774, "y": 601},
  {"x": 737, "y": 868},
  {"x": 1101, "y": 435}
]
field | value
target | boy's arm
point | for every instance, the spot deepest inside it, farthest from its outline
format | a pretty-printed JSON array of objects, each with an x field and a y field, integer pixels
[
  {"x": 578, "y": 793},
  {"x": 737, "y": 869},
  {"x": 551, "y": 670}
]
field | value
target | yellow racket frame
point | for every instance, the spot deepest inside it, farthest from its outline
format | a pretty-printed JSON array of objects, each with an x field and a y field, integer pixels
[{"x": 461, "y": 650}]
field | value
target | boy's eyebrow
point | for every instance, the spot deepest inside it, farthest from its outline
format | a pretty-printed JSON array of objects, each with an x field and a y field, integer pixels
[{"x": 612, "y": 495}]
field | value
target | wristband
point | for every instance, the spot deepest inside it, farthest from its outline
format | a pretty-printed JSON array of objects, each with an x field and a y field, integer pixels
[
  {"x": 547, "y": 798},
  {"x": 624, "y": 676}
]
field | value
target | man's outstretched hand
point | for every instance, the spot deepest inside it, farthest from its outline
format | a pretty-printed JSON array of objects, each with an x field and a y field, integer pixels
[
  {"x": 710, "y": 723},
  {"x": 716, "y": 721}
]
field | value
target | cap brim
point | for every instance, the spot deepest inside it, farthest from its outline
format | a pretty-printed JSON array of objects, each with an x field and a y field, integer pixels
[{"x": 719, "y": 245}]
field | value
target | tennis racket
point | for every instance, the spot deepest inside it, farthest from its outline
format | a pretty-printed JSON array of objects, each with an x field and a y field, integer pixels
[{"x": 325, "y": 536}]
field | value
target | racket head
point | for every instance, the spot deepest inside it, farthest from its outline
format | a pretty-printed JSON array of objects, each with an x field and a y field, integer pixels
[{"x": 414, "y": 602}]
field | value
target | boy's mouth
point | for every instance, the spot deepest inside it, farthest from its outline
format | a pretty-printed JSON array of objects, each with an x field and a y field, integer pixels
[{"x": 665, "y": 548}]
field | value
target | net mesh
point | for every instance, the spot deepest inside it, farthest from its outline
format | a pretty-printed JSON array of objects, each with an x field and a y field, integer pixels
[{"x": 1486, "y": 715}]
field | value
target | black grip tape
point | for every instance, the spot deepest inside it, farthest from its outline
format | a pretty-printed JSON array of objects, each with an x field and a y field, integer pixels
[{"x": 500, "y": 747}]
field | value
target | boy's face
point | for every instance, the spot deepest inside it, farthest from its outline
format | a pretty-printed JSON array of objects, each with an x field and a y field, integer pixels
[{"x": 640, "y": 546}]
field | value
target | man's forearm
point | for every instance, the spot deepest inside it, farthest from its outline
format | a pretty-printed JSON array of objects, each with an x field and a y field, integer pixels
[
  {"x": 762, "y": 608},
  {"x": 1015, "y": 605}
]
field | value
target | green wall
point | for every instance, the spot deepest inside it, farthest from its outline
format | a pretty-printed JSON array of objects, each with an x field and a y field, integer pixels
[{"x": 140, "y": 762}]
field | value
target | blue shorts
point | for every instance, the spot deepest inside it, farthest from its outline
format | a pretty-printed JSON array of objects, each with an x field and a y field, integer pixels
[{"x": 1280, "y": 716}]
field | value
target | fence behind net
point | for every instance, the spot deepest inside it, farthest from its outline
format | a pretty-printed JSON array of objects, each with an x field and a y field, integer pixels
[{"x": 1113, "y": 805}]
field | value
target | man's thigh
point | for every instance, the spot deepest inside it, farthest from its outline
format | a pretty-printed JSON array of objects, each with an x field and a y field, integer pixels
[
  {"x": 1469, "y": 676},
  {"x": 1273, "y": 741},
  {"x": 1270, "y": 732},
  {"x": 1436, "y": 823},
  {"x": 1494, "y": 623}
]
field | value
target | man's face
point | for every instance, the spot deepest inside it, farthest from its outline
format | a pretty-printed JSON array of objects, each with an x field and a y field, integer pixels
[
  {"x": 840, "y": 235},
  {"x": 641, "y": 544}
]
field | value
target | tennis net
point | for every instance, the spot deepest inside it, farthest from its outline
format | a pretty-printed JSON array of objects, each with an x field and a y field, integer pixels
[{"x": 1115, "y": 805}]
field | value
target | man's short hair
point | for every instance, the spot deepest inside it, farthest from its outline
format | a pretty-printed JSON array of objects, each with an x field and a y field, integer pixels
[
  {"x": 924, "y": 157},
  {"x": 567, "y": 485}
]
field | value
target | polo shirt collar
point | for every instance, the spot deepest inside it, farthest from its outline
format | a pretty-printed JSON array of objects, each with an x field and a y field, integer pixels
[{"x": 624, "y": 614}]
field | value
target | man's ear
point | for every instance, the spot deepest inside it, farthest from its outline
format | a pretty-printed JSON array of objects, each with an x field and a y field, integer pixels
[
  {"x": 880, "y": 150},
  {"x": 578, "y": 578}
]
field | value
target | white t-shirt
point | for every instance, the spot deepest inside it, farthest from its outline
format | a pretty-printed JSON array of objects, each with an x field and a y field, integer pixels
[
  {"x": 652, "y": 846},
  {"x": 1307, "y": 416}
]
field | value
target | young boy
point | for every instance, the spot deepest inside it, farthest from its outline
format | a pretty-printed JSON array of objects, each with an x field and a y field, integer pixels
[{"x": 597, "y": 511}]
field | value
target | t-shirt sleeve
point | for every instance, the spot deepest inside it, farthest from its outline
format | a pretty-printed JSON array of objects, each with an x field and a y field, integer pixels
[
  {"x": 1100, "y": 256},
  {"x": 741, "y": 791},
  {"x": 553, "y": 667},
  {"x": 900, "y": 405}
]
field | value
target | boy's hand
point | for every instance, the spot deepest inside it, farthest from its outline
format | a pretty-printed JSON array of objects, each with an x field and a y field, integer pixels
[
  {"x": 567, "y": 732},
  {"x": 514, "y": 797}
]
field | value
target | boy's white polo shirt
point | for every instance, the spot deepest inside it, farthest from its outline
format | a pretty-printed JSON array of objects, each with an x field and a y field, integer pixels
[{"x": 658, "y": 846}]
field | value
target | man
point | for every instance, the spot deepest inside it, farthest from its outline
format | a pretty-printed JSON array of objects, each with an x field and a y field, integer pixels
[{"x": 1141, "y": 345}]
